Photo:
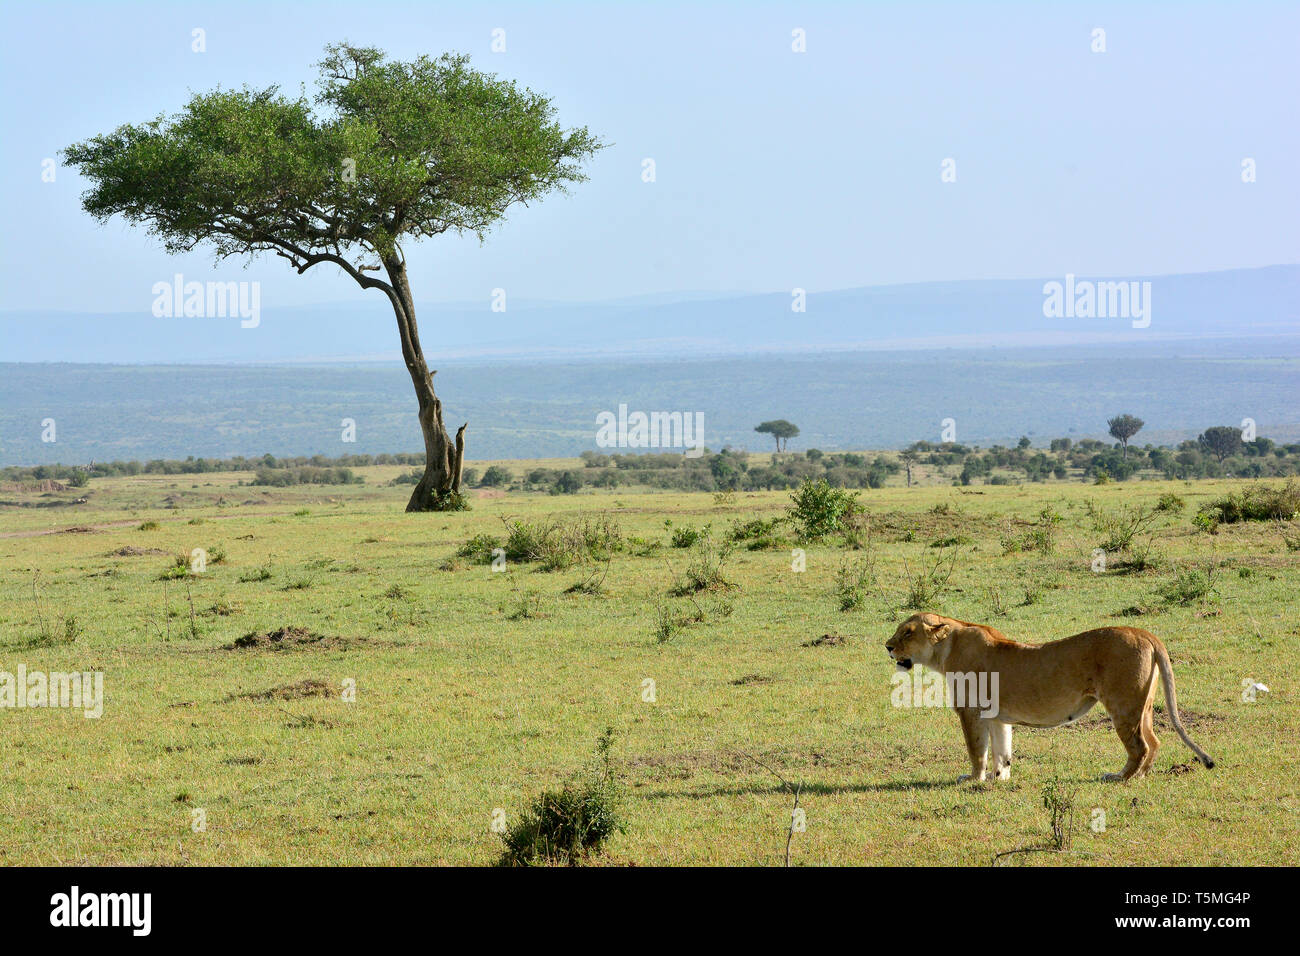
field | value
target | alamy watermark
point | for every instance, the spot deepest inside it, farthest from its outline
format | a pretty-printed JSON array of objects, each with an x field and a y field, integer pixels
[
  {"x": 914, "y": 688},
  {"x": 1085, "y": 299},
  {"x": 211, "y": 300},
  {"x": 651, "y": 430},
  {"x": 82, "y": 690}
]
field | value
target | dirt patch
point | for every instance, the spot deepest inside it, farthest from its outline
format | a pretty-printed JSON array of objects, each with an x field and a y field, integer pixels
[
  {"x": 286, "y": 638},
  {"x": 1178, "y": 769},
  {"x": 747, "y": 679},
  {"x": 35, "y": 487},
  {"x": 826, "y": 640},
  {"x": 489, "y": 493},
  {"x": 1137, "y": 610},
  {"x": 77, "y": 529},
  {"x": 311, "y": 687},
  {"x": 1190, "y": 719},
  {"x": 131, "y": 551}
]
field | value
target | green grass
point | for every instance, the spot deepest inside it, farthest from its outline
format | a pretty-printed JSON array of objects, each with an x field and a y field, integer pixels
[{"x": 478, "y": 689}]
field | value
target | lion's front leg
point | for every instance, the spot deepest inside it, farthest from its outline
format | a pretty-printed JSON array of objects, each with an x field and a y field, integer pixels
[
  {"x": 1000, "y": 741},
  {"x": 976, "y": 731}
]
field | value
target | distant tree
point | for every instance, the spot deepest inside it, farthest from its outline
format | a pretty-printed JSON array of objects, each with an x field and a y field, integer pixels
[
  {"x": 1124, "y": 427},
  {"x": 400, "y": 151},
  {"x": 779, "y": 429},
  {"x": 568, "y": 483},
  {"x": 909, "y": 458},
  {"x": 496, "y": 476},
  {"x": 1221, "y": 441}
]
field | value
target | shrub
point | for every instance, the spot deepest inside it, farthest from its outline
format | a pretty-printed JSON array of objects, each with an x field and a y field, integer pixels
[
  {"x": 496, "y": 477},
  {"x": 568, "y": 483},
  {"x": 1188, "y": 586},
  {"x": 179, "y": 568},
  {"x": 1118, "y": 528},
  {"x": 561, "y": 545},
  {"x": 853, "y": 580},
  {"x": 817, "y": 509},
  {"x": 926, "y": 586},
  {"x": 479, "y": 548},
  {"x": 684, "y": 537},
  {"x": 757, "y": 534},
  {"x": 1256, "y": 503},
  {"x": 1170, "y": 502},
  {"x": 704, "y": 570},
  {"x": 566, "y": 826}
]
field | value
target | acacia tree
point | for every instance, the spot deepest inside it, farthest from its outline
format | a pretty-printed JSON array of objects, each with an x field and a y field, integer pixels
[
  {"x": 400, "y": 151},
  {"x": 1221, "y": 441},
  {"x": 1124, "y": 427},
  {"x": 909, "y": 457},
  {"x": 779, "y": 429}
]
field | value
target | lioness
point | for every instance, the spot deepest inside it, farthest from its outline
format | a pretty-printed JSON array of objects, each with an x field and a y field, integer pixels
[{"x": 1047, "y": 685}]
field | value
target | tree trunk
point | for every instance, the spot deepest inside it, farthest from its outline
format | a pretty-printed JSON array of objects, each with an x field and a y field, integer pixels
[{"x": 439, "y": 487}]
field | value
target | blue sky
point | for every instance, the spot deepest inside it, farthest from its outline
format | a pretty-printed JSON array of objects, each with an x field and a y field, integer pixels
[{"x": 774, "y": 169}]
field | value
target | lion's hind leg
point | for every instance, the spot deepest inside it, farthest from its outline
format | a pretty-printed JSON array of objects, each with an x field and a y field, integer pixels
[
  {"x": 1134, "y": 735},
  {"x": 1148, "y": 730}
]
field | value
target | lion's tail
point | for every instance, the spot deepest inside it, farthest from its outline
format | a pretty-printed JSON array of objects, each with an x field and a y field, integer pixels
[{"x": 1171, "y": 700}]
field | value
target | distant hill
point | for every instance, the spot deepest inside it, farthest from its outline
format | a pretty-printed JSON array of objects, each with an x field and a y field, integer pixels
[{"x": 1240, "y": 303}]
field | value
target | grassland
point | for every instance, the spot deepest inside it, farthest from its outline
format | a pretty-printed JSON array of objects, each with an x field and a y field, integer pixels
[{"x": 477, "y": 689}]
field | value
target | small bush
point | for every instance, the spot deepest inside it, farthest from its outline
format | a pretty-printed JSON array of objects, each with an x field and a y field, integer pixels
[
  {"x": 1170, "y": 502},
  {"x": 683, "y": 537},
  {"x": 566, "y": 826},
  {"x": 704, "y": 571},
  {"x": 1119, "y": 527},
  {"x": 527, "y": 607},
  {"x": 1188, "y": 586},
  {"x": 817, "y": 509},
  {"x": 853, "y": 581},
  {"x": 179, "y": 568},
  {"x": 757, "y": 534},
  {"x": 926, "y": 586},
  {"x": 561, "y": 545},
  {"x": 1256, "y": 503},
  {"x": 495, "y": 477},
  {"x": 479, "y": 548}
]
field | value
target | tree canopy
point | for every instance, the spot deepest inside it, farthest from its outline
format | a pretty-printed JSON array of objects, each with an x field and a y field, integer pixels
[
  {"x": 1221, "y": 441},
  {"x": 401, "y": 149},
  {"x": 397, "y": 150},
  {"x": 779, "y": 429},
  {"x": 1124, "y": 427}
]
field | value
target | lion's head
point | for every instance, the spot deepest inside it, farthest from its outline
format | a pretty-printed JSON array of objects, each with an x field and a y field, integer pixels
[{"x": 913, "y": 642}]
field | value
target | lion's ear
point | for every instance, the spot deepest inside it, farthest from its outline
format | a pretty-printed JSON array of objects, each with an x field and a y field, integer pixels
[{"x": 936, "y": 627}]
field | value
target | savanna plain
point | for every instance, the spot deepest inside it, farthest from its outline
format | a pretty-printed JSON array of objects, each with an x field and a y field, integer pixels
[{"x": 337, "y": 682}]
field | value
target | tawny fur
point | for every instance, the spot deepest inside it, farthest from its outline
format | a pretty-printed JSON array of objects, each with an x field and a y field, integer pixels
[{"x": 1047, "y": 685}]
